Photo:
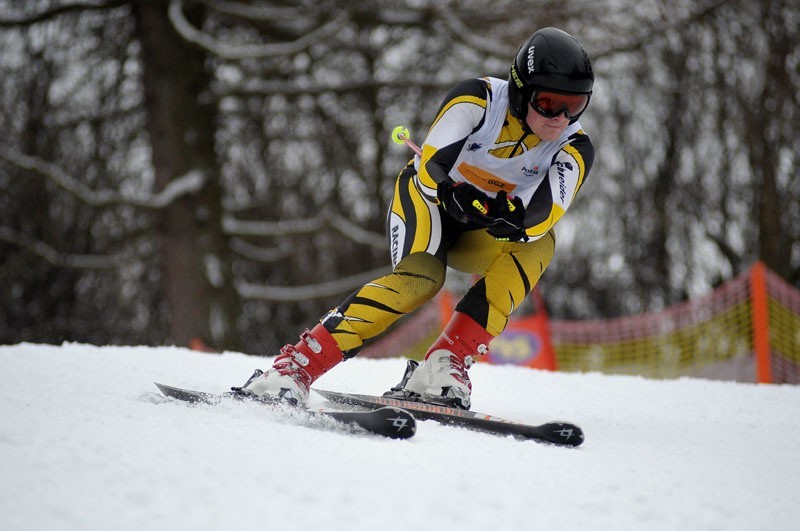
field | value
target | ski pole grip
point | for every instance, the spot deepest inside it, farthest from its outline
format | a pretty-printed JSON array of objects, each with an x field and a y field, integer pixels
[{"x": 400, "y": 135}]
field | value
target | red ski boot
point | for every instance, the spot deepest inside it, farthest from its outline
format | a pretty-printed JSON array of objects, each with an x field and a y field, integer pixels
[{"x": 296, "y": 368}]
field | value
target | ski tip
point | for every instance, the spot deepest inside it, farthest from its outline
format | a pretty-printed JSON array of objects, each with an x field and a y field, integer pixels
[
  {"x": 187, "y": 395},
  {"x": 167, "y": 390},
  {"x": 563, "y": 433},
  {"x": 400, "y": 424}
]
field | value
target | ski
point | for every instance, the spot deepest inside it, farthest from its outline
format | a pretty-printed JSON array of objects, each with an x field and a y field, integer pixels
[
  {"x": 559, "y": 433},
  {"x": 393, "y": 422}
]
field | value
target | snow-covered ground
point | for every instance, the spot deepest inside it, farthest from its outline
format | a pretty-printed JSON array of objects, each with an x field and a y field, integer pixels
[{"x": 87, "y": 443}]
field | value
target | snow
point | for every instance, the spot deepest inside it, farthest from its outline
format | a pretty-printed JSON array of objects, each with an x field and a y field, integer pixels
[{"x": 86, "y": 442}]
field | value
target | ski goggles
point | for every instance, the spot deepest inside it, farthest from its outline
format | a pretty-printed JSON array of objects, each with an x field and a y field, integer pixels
[{"x": 552, "y": 104}]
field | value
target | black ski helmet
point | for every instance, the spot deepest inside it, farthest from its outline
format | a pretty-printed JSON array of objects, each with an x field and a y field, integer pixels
[{"x": 551, "y": 59}]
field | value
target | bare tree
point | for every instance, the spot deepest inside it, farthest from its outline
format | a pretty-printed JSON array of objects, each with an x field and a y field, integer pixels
[{"x": 220, "y": 169}]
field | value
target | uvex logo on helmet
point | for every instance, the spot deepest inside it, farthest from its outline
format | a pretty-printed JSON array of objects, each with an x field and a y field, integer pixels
[{"x": 531, "y": 56}]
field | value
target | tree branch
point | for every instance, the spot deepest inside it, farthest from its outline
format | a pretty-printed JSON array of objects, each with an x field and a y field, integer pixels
[
  {"x": 340, "y": 286},
  {"x": 458, "y": 29},
  {"x": 238, "y": 227},
  {"x": 259, "y": 13},
  {"x": 60, "y": 259},
  {"x": 257, "y": 253},
  {"x": 227, "y": 51},
  {"x": 347, "y": 228},
  {"x": 402, "y": 82},
  {"x": 355, "y": 233},
  {"x": 725, "y": 249},
  {"x": 186, "y": 184},
  {"x": 56, "y": 11},
  {"x": 658, "y": 28}
]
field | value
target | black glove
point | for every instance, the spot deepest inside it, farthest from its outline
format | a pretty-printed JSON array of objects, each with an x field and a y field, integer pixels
[
  {"x": 509, "y": 217},
  {"x": 465, "y": 203}
]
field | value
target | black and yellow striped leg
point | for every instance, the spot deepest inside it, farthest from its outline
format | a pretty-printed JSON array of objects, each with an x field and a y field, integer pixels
[
  {"x": 509, "y": 271},
  {"x": 375, "y": 306}
]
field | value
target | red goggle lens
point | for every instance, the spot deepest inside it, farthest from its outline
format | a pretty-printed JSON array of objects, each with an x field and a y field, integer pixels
[{"x": 552, "y": 104}]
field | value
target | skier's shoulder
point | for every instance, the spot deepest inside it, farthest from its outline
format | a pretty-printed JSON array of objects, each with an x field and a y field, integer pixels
[
  {"x": 579, "y": 146},
  {"x": 474, "y": 90}
]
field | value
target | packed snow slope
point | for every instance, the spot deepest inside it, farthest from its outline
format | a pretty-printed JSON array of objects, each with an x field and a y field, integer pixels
[{"x": 87, "y": 443}]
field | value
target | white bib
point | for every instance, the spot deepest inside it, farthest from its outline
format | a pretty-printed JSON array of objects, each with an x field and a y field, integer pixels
[{"x": 519, "y": 175}]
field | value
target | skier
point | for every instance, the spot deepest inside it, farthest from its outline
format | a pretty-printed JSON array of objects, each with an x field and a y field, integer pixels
[{"x": 499, "y": 167}]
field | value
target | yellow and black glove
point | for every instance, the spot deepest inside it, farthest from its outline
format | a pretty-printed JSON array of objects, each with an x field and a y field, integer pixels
[
  {"x": 465, "y": 203},
  {"x": 503, "y": 216},
  {"x": 509, "y": 215}
]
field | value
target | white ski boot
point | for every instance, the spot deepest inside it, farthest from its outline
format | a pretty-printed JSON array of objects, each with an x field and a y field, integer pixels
[{"x": 442, "y": 378}]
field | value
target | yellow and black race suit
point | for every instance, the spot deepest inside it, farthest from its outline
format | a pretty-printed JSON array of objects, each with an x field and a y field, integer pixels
[{"x": 474, "y": 139}]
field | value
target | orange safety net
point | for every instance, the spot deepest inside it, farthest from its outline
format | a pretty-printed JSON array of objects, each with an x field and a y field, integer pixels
[
  {"x": 784, "y": 329},
  {"x": 747, "y": 330},
  {"x": 711, "y": 337}
]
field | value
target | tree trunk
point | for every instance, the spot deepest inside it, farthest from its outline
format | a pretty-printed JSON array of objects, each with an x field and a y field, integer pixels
[
  {"x": 767, "y": 139},
  {"x": 201, "y": 299}
]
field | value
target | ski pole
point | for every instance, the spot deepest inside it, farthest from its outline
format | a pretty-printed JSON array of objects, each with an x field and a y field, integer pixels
[{"x": 400, "y": 135}]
